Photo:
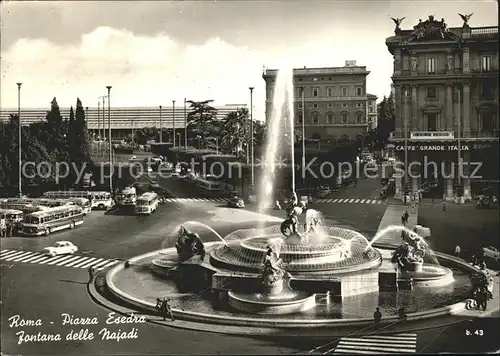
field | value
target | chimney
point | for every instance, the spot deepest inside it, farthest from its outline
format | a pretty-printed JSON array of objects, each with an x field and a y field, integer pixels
[{"x": 350, "y": 63}]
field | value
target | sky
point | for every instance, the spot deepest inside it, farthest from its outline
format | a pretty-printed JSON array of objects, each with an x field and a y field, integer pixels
[{"x": 154, "y": 52}]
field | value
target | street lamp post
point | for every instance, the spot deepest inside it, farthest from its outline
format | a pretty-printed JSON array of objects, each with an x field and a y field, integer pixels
[
  {"x": 185, "y": 127},
  {"x": 406, "y": 116},
  {"x": 457, "y": 100},
  {"x": 251, "y": 139},
  {"x": 99, "y": 126},
  {"x": 173, "y": 120},
  {"x": 161, "y": 127},
  {"x": 103, "y": 125},
  {"x": 303, "y": 137},
  {"x": 19, "y": 137},
  {"x": 109, "y": 139}
]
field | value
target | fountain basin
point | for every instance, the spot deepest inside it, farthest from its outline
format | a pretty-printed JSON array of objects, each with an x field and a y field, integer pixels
[
  {"x": 339, "y": 251},
  {"x": 286, "y": 301}
]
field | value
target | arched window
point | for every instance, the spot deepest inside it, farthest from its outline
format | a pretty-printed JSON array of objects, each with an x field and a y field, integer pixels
[
  {"x": 315, "y": 118},
  {"x": 344, "y": 117},
  {"x": 487, "y": 121},
  {"x": 330, "y": 117},
  {"x": 298, "y": 117}
]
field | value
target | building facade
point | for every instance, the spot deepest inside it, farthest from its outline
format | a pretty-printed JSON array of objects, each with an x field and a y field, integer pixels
[
  {"x": 122, "y": 119},
  {"x": 335, "y": 101},
  {"x": 446, "y": 105},
  {"x": 371, "y": 112}
]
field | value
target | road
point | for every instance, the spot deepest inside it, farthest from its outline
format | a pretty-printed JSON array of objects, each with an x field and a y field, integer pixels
[{"x": 45, "y": 290}]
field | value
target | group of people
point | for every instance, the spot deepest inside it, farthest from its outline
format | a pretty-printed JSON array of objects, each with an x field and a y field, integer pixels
[
  {"x": 7, "y": 229},
  {"x": 480, "y": 296},
  {"x": 164, "y": 308}
]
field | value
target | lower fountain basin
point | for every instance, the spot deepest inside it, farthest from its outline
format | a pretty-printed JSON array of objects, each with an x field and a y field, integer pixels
[{"x": 288, "y": 301}]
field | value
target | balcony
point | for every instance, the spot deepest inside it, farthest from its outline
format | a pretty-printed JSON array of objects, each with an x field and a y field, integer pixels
[
  {"x": 446, "y": 135},
  {"x": 492, "y": 30}
]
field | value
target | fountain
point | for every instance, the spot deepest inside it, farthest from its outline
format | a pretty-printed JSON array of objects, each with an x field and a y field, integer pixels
[{"x": 279, "y": 269}]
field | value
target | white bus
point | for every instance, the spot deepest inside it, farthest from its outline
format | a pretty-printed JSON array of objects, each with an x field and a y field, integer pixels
[
  {"x": 209, "y": 185},
  {"x": 51, "y": 220},
  {"x": 83, "y": 203},
  {"x": 25, "y": 208},
  {"x": 127, "y": 196},
  {"x": 146, "y": 203},
  {"x": 100, "y": 200},
  {"x": 12, "y": 216}
]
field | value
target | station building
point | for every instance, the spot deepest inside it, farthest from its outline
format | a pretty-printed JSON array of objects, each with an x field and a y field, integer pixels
[
  {"x": 445, "y": 84},
  {"x": 123, "y": 119}
]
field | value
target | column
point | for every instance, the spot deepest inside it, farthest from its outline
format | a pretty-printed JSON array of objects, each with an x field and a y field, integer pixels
[
  {"x": 398, "y": 103},
  {"x": 448, "y": 189},
  {"x": 465, "y": 61},
  {"x": 415, "y": 188},
  {"x": 414, "y": 109},
  {"x": 399, "y": 187},
  {"x": 449, "y": 107},
  {"x": 466, "y": 110},
  {"x": 466, "y": 173}
]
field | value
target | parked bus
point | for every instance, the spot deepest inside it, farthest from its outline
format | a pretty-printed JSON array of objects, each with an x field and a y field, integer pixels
[
  {"x": 83, "y": 203},
  {"x": 146, "y": 203},
  {"x": 100, "y": 200},
  {"x": 208, "y": 185},
  {"x": 127, "y": 197},
  {"x": 25, "y": 208},
  {"x": 13, "y": 217},
  {"x": 51, "y": 220}
]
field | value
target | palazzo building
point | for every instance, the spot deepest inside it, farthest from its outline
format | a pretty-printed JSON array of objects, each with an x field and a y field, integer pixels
[
  {"x": 335, "y": 101},
  {"x": 445, "y": 84}
]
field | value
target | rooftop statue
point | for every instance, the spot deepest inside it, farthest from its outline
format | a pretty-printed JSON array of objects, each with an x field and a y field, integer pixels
[
  {"x": 398, "y": 22},
  {"x": 466, "y": 18}
]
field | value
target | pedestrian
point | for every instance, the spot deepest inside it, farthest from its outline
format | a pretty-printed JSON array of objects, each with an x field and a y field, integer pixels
[
  {"x": 8, "y": 229},
  {"x": 401, "y": 313},
  {"x": 444, "y": 206},
  {"x": 457, "y": 251},
  {"x": 405, "y": 199},
  {"x": 377, "y": 316},
  {"x": 91, "y": 271},
  {"x": 3, "y": 227},
  {"x": 406, "y": 216},
  {"x": 483, "y": 299}
]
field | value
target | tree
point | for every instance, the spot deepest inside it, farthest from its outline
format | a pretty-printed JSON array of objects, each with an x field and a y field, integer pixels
[
  {"x": 234, "y": 135},
  {"x": 201, "y": 118},
  {"x": 82, "y": 143},
  {"x": 386, "y": 119},
  {"x": 54, "y": 133}
]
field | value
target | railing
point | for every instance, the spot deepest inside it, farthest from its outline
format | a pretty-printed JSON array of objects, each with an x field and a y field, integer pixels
[
  {"x": 432, "y": 135},
  {"x": 445, "y": 135},
  {"x": 484, "y": 31}
]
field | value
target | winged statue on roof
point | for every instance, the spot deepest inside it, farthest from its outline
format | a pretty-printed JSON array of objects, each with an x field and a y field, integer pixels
[{"x": 466, "y": 18}]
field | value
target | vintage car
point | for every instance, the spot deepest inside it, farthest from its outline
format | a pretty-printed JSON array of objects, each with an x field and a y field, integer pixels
[
  {"x": 235, "y": 202},
  {"x": 323, "y": 191},
  {"x": 491, "y": 252},
  {"x": 60, "y": 248}
]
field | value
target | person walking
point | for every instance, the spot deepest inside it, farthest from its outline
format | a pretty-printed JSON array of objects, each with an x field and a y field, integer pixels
[
  {"x": 444, "y": 206},
  {"x": 377, "y": 316},
  {"x": 457, "y": 251}
]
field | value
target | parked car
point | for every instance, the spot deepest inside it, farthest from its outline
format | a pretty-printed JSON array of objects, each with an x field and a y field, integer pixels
[
  {"x": 60, "y": 248},
  {"x": 235, "y": 202},
  {"x": 323, "y": 191},
  {"x": 492, "y": 252}
]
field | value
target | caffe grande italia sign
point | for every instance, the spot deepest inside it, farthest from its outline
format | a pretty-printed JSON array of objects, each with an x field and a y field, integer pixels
[{"x": 426, "y": 148}]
